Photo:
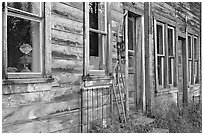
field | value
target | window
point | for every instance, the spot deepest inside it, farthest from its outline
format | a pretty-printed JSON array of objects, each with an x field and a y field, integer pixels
[
  {"x": 165, "y": 55},
  {"x": 196, "y": 54},
  {"x": 190, "y": 58},
  {"x": 24, "y": 25},
  {"x": 171, "y": 55},
  {"x": 159, "y": 39},
  {"x": 96, "y": 31}
]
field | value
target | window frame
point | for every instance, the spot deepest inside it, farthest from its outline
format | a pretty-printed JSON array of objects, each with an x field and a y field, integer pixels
[
  {"x": 157, "y": 22},
  {"x": 104, "y": 35},
  {"x": 45, "y": 38},
  {"x": 195, "y": 60},
  {"x": 171, "y": 58},
  {"x": 190, "y": 59}
]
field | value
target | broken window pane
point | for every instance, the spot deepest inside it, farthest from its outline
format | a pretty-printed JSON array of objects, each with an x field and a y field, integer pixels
[
  {"x": 31, "y": 7},
  {"x": 23, "y": 44}
]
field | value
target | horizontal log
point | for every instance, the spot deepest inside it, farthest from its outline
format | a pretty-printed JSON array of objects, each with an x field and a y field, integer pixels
[
  {"x": 49, "y": 124},
  {"x": 67, "y": 11},
  {"x": 66, "y": 38},
  {"x": 26, "y": 113},
  {"x": 64, "y": 64},
  {"x": 66, "y": 25},
  {"x": 67, "y": 51},
  {"x": 78, "y": 5},
  {"x": 25, "y": 88}
]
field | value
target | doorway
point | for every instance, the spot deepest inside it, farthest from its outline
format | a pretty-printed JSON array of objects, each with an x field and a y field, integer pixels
[
  {"x": 135, "y": 81},
  {"x": 182, "y": 70}
]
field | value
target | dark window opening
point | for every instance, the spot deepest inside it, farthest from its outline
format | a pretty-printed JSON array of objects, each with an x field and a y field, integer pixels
[
  {"x": 23, "y": 45},
  {"x": 170, "y": 42},
  {"x": 189, "y": 48},
  {"x": 159, "y": 37}
]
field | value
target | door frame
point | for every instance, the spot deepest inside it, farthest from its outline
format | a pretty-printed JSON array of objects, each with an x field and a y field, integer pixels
[{"x": 184, "y": 50}]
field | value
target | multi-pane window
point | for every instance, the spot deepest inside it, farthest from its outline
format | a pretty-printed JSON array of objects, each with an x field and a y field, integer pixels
[
  {"x": 196, "y": 54},
  {"x": 159, "y": 39},
  {"x": 24, "y": 37},
  {"x": 97, "y": 35},
  {"x": 171, "y": 55},
  {"x": 165, "y": 54},
  {"x": 190, "y": 41}
]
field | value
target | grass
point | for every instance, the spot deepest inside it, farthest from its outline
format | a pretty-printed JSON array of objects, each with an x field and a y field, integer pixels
[
  {"x": 180, "y": 119},
  {"x": 177, "y": 119}
]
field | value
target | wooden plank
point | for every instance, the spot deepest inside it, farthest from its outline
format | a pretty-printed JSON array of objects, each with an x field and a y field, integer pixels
[
  {"x": 116, "y": 16},
  {"x": 70, "y": 38},
  {"x": 47, "y": 47},
  {"x": 117, "y": 6},
  {"x": 109, "y": 40},
  {"x": 67, "y": 11},
  {"x": 85, "y": 37},
  {"x": 67, "y": 64},
  {"x": 25, "y": 88},
  {"x": 66, "y": 25},
  {"x": 78, "y": 5},
  {"x": 4, "y": 41},
  {"x": 126, "y": 61}
]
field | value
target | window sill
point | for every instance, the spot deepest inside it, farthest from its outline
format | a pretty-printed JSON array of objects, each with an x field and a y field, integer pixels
[
  {"x": 96, "y": 77},
  {"x": 166, "y": 91},
  {"x": 26, "y": 81}
]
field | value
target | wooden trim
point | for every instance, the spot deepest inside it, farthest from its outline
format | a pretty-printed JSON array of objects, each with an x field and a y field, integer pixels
[
  {"x": 164, "y": 19},
  {"x": 96, "y": 72},
  {"x": 98, "y": 31},
  {"x": 30, "y": 80},
  {"x": 126, "y": 59},
  {"x": 45, "y": 38},
  {"x": 156, "y": 60},
  {"x": 109, "y": 39},
  {"x": 143, "y": 64},
  {"x": 4, "y": 41},
  {"x": 47, "y": 41},
  {"x": 86, "y": 36}
]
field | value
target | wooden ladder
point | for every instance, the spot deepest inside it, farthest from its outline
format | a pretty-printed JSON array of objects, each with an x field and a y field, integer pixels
[{"x": 119, "y": 91}]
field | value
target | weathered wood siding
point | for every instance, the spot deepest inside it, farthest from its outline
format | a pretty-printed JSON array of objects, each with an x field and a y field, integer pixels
[
  {"x": 185, "y": 16},
  {"x": 67, "y": 60},
  {"x": 51, "y": 107}
]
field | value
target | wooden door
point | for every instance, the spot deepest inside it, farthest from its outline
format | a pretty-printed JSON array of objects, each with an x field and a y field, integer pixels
[
  {"x": 182, "y": 70},
  {"x": 131, "y": 62}
]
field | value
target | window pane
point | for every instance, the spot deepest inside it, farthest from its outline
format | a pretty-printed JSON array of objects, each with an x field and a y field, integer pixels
[
  {"x": 189, "y": 70},
  {"x": 170, "y": 42},
  {"x": 189, "y": 48},
  {"x": 97, "y": 15},
  {"x": 195, "y": 48},
  {"x": 160, "y": 70},
  {"x": 31, "y": 7},
  {"x": 23, "y": 44},
  {"x": 159, "y": 39},
  {"x": 96, "y": 50},
  {"x": 130, "y": 33},
  {"x": 170, "y": 64},
  {"x": 196, "y": 71}
]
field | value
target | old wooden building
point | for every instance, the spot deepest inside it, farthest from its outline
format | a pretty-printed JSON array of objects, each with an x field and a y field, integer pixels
[{"x": 64, "y": 63}]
